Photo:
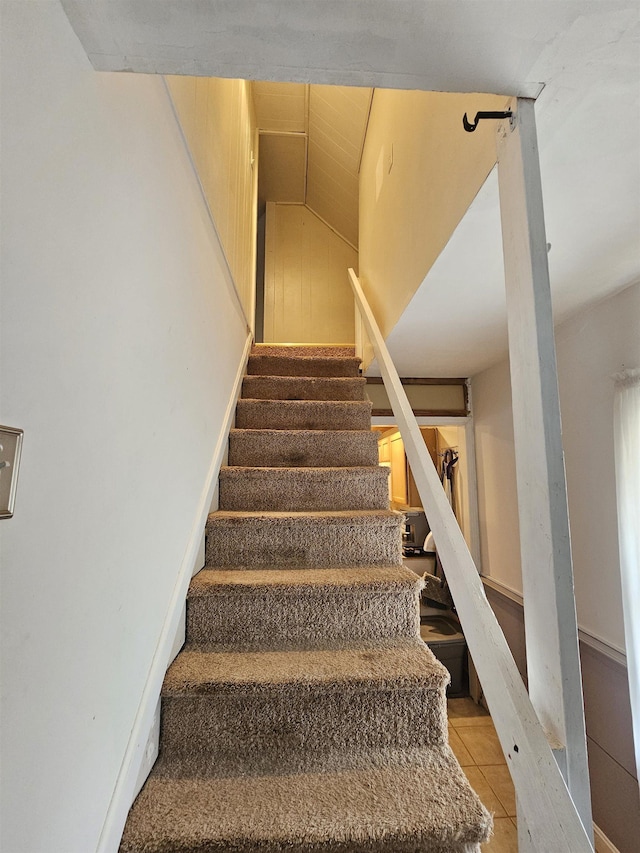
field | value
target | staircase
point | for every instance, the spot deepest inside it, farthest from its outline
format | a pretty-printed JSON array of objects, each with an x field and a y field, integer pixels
[{"x": 304, "y": 714}]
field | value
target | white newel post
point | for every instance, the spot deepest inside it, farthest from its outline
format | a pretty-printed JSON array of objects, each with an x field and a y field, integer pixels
[{"x": 553, "y": 659}]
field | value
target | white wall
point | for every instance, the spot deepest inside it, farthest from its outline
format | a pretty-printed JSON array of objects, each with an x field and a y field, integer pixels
[
  {"x": 496, "y": 475},
  {"x": 121, "y": 337},
  {"x": 591, "y": 346}
]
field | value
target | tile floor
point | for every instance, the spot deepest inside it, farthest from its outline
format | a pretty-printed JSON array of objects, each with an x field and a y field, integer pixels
[{"x": 475, "y": 744}]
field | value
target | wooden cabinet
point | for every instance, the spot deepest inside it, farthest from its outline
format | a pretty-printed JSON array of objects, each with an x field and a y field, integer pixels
[
  {"x": 384, "y": 450},
  {"x": 398, "y": 471},
  {"x": 402, "y": 487}
]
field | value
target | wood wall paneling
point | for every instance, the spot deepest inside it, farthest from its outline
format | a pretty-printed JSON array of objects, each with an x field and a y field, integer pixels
[
  {"x": 427, "y": 396},
  {"x": 280, "y": 106},
  {"x": 307, "y": 295},
  {"x": 614, "y": 787},
  {"x": 218, "y": 122},
  {"x": 614, "y": 797},
  {"x": 338, "y": 117},
  {"x": 283, "y": 160}
]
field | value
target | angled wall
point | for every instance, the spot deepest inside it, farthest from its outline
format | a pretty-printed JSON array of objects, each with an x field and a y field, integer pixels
[
  {"x": 420, "y": 172},
  {"x": 307, "y": 296},
  {"x": 121, "y": 337}
]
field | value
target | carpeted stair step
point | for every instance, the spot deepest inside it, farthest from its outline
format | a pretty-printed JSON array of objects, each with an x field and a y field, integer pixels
[
  {"x": 304, "y": 714},
  {"x": 303, "y": 414},
  {"x": 299, "y": 711},
  {"x": 419, "y": 802},
  {"x": 304, "y": 539},
  {"x": 282, "y": 609},
  {"x": 283, "y": 365},
  {"x": 267, "y": 448},
  {"x": 303, "y": 388},
  {"x": 305, "y": 350},
  {"x": 282, "y": 489}
]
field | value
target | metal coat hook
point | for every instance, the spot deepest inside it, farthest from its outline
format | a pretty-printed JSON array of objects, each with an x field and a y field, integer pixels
[{"x": 469, "y": 127}]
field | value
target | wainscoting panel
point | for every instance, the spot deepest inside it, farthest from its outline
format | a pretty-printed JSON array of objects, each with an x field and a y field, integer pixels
[{"x": 614, "y": 787}]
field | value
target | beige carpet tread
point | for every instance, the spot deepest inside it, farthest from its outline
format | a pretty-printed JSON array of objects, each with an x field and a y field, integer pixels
[
  {"x": 406, "y": 666},
  {"x": 297, "y": 350},
  {"x": 421, "y": 805},
  {"x": 279, "y": 609},
  {"x": 303, "y": 388},
  {"x": 285, "y": 448},
  {"x": 245, "y": 488},
  {"x": 324, "y": 517},
  {"x": 232, "y": 713},
  {"x": 375, "y": 578},
  {"x": 304, "y": 539},
  {"x": 303, "y": 414},
  {"x": 278, "y": 365}
]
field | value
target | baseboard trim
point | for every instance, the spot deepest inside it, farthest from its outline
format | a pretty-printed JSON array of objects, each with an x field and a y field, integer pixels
[
  {"x": 587, "y": 637},
  {"x": 123, "y": 793},
  {"x": 603, "y": 844}
]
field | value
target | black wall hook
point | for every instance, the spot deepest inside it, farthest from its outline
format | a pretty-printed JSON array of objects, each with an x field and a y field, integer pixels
[{"x": 469, "y": 127}]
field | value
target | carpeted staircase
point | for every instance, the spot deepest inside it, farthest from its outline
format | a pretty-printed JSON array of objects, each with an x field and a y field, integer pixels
[{"x": 304, "y": 713}]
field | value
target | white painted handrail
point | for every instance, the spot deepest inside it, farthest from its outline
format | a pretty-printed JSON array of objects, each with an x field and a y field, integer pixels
[{"x": 543, "y": 797}]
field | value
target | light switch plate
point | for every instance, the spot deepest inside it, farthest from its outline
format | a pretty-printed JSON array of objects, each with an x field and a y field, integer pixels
[{"x": 10, "y": 448}]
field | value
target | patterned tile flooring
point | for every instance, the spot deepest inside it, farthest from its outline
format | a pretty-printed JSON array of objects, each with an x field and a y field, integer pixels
[{"x": 475, "y": 744}]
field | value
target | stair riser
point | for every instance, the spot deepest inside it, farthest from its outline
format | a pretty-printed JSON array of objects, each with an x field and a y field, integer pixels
[
  {"x": 301, "y": 449},
  {"x": 296, "y": 727},
  {"x": 250, "y": 543},
  {"x": 302, "y": 350},
  {"x": 308, "y": 414},
  {"x": 274, "y": 365},
  {"x": 274, "y": 619},
  {"x": 293, "y": 489},
  {"x": 285, "y": 388}
]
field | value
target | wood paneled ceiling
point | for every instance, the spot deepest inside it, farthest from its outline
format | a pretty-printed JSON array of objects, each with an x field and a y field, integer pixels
[{"x": 310, "y": 148}]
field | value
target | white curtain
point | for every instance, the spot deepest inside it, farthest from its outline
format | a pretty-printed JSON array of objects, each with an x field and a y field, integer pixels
[{"x": 627, "y": 461}]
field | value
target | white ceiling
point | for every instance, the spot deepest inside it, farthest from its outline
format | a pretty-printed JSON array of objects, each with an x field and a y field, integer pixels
[
  {"x": 588, "y": 118},
  {"x": 586, "y": 52},
  {"x": 438, "y": 45}
]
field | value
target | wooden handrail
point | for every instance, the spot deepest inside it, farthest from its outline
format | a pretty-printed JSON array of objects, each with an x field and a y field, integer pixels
[{"x": 543, "y": 798}]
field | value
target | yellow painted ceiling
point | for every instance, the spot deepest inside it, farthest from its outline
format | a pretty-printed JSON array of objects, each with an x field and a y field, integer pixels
[{"x": 311, "y": 141}]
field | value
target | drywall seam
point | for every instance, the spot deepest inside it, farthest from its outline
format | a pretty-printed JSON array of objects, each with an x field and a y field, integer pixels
[
  {"x": 123, "y": 793},
  {"x": 605, "y": 648},
  {"x": 235, "y": 293}
]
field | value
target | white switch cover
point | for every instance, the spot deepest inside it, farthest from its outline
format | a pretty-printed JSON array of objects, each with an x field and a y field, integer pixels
[{"x": 10, "y": 447}]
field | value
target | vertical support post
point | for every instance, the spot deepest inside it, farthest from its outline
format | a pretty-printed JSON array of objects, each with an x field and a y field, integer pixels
[{"x": 553, "y": 660}]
